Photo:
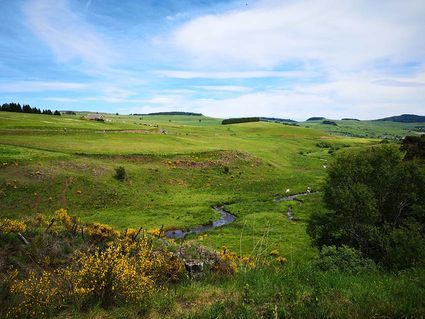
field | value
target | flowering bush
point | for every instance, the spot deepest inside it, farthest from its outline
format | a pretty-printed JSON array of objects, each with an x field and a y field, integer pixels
[
  {"x": 37, "y": 293},
  {"x": 61, "y": 215},
  {"x": 8, "y": 225},
  {"x": 123, "y": 272},
  {"x": 155, "y": 232},
  {"x": 101, "y": 232},
  {"x": 227, "y": 263}
]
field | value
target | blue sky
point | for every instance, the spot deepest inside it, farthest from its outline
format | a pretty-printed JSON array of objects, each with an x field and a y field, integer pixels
[{"x": 290, "y": 59}]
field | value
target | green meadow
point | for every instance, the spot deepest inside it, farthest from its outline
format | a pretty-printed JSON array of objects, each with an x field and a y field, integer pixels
[
  {"x": 367, "y": 129},
  {"x": 178, "y": 168},
  {"x": 174, "y": 179}
]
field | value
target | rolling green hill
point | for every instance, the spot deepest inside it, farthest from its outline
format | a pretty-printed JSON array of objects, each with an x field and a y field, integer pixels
[
  {"x": 369, "y": 129},
  {"x": 178, "y": 168},
  {"x": 174, "y": 178}
]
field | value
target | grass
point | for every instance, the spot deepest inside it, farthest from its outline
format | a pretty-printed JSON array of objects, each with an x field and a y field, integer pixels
[
  {"x": 368, "y": 129},
  {"x": 173, "y": 181}
]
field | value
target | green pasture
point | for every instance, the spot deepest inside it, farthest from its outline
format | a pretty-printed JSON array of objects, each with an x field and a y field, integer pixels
[
  {"x": 174, "y": 179},
  {"x": 368, "y": 129}
]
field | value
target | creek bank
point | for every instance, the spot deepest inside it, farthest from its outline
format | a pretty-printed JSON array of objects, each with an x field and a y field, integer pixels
[{"x": 226, "y": 218}]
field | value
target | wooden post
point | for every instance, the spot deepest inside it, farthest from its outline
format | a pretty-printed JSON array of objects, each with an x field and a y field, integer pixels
[
  {"x": 137, "y": 234},
  {"x": 50, "y": 225},
  {"x": 23, "y": 238}
]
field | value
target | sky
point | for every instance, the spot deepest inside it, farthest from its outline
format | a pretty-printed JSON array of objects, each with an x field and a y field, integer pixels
[{"x": 289, "y": 59}]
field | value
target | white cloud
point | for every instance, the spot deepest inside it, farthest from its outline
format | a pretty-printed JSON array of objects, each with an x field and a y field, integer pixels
[
  {"x": 224, "y": 88},
  {"x": 67, "y": 34},
  {"x": 338, "y": 33},
  {"x": 232, "y": 74},
  {"x": 39, "y": 86}
]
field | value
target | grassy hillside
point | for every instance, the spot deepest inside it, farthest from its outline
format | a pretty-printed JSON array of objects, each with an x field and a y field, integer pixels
[
  {"x": 368, "y": 129},
  {"x": 177, "y": 169},
  {"x": 173, "y": 179}
]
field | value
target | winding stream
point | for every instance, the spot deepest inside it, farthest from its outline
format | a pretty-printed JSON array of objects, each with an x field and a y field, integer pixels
[{"x": 226, "y": 218}]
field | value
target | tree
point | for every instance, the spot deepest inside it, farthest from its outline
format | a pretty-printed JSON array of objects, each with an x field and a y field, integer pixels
[
  {"x": 57, "y": 113},
  {"x": 374, "y": 200},
  {"x": 414, "y": 146}
]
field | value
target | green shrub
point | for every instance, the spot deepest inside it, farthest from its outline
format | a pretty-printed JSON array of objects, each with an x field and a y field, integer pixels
[
  {"x": 343, "y": 258},
  {"x": 323, "y": 145},
  {"x": 120, "y": 173},
  {"x": 375, "y": 204}
]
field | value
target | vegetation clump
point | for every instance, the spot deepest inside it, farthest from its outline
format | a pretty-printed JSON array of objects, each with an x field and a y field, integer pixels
[
  {"x": 8, "y": 225},
  {"x": 343, "y": 258},
  {"x": 120, "y": 173},
  {"x": 376, "y": 205},
  {"x": 240, "y": 120},
  {"x": 329, "y": 122}
]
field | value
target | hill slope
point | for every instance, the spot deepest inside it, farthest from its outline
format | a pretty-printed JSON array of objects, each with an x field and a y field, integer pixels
[{"x": 405, "y": 118}]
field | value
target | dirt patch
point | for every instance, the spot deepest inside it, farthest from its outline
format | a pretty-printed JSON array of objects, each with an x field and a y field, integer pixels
[
  {"x": 95, "y": 170},
  {"x": 327, "y": 137},
  {"x": 129, "y": 131},
  {"x": 36, "y": 203},
  {"x": 212, "y": 159}
]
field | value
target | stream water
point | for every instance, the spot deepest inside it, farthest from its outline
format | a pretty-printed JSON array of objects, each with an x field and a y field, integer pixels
[{"x": 226, "y": 218}]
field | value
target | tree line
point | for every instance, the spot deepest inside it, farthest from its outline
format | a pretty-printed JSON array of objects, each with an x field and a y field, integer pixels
[
  {"x": 240, "y": 120},
  {"x": 16, "y": 107}
]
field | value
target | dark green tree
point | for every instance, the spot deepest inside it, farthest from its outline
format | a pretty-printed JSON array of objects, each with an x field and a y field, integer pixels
[
  {"x": 414, "y": 146},
  {"x": 374, "y": 200}
]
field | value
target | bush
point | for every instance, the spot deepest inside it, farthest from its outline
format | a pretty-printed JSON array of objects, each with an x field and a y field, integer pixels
[
  {"x": 323, "y": 145},
  {"x": 120, "y": 173},
  {"x": 125, "y": 271},
  {"x": 8, "y": 225},
  {"x": 343, "y": 258},
  {"x": 374, "y": 199}
]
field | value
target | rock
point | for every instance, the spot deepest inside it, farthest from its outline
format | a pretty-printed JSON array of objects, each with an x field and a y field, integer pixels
[{"x": 194, "y": 267}]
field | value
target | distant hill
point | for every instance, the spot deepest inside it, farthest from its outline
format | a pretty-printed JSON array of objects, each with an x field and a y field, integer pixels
[
  {"x": 349, "y": 119},
  {"x": 173, "y": 113},
  {"x": 315, "y": 118},
  {"x": 404, "y": 118}
]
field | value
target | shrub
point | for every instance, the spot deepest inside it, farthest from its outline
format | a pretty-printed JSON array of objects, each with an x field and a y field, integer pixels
[
  {"x": 8, "y": 225},
  {"x": 37, "y": 294},
  {"x": 323, "y": 145},
  {"x": 120, "y": 173},
  {"x": 342, "y": 258},
  {"x": 101, "y": 232},
  {"x": 122, "y": 272},
  {"x": 62, "y": 216},
  {"x": 374, "y": 199}
]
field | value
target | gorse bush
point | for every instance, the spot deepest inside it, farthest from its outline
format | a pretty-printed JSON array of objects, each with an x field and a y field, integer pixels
[
  {"x": 38, "y": 294},
  {"x": 101, "y": 232},
  {"x": 8, "y": 225},
  {"x": 125, "y": 271},
  {"x": 62, "y": 216}
]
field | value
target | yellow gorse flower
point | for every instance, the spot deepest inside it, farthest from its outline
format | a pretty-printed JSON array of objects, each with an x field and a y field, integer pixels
[{"x": 8, "y": 225}]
